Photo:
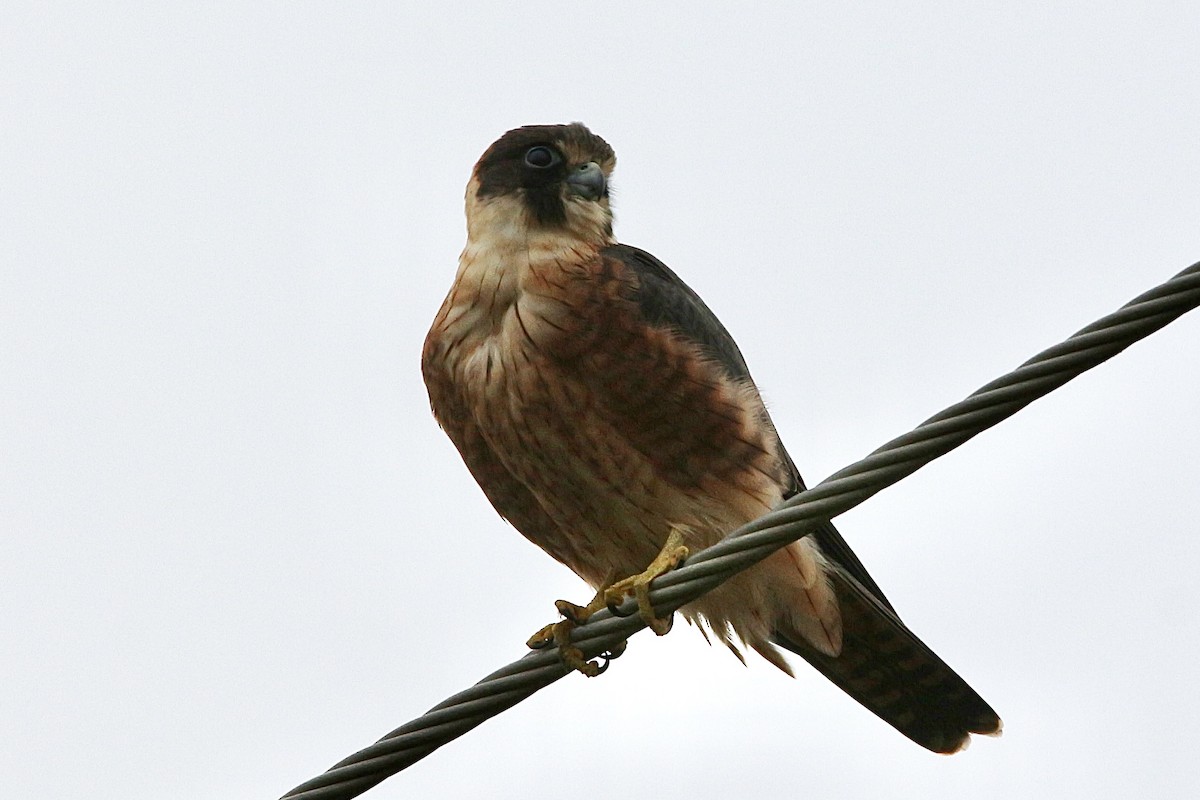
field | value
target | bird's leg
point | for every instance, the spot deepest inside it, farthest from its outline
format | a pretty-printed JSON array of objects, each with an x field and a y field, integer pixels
[
  {"x": 611, "y": 595},
  {"x": 671, "y": 556}
]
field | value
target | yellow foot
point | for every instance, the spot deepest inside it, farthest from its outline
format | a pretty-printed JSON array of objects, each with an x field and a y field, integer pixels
[
  {"x": 559, "y": 634},
  {"x": 611, "y": 595},
  {"x": 670, "y": 557}
]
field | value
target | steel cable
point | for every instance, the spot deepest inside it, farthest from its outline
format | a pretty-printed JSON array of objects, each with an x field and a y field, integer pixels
[{"x": 751, "y": 543}]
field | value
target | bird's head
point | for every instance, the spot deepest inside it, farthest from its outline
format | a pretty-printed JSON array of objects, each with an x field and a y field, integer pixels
[{"x": 543, "y": 180}]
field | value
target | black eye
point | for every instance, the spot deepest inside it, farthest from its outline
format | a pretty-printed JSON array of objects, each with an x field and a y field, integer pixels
[{"x": 541, "y": 157}]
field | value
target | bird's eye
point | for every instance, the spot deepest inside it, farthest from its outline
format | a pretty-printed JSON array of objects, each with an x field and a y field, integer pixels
[{"x": 541, "y": 157}]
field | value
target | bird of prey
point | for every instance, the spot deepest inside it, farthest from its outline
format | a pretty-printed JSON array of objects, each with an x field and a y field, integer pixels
[{"x": 610, "y": 417}]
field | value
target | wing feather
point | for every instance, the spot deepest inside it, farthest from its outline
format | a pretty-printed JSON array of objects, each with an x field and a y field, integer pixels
[{"x": 666, "y": 301}]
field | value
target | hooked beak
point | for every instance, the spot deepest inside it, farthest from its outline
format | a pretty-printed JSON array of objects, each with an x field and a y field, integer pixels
[{"x": 587, "y": 181}]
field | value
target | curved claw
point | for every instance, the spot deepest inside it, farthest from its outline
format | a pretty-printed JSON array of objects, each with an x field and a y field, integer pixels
[
  {"x": 616, "y": 651},
  {"x": 615, "y": 602},
  {"x": 674, "y": 553},
  {"x": 611, "y": 655}
]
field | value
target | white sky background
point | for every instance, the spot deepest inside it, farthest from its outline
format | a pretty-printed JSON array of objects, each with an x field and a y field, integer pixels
[{"x": 236, "y": 548}]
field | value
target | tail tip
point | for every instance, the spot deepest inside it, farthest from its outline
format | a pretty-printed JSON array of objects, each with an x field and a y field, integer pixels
[{"x": 993, "y": 728}]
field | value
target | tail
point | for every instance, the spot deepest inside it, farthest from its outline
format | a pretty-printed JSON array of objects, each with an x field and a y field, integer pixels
[{"x": 884, "y": 666}]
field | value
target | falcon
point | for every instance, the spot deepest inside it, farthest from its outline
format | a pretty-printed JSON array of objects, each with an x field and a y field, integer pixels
[{"x": 610, "y": 417}]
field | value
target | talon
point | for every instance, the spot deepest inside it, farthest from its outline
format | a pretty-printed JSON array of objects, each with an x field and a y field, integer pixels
[
  {"x": 616, "y": 651},
  {"x": 542, "y": 638},
  {"x": 577, "y": 614},
  {"x": 613, "y": 596},
  {"x": 660, "y": 625},
  {"x": 614, "y": 600},
  {"x": 673, "y": 554},
  {"x": 610, "y": 655},
  {"x": 572, "y": 658},
  {"x": 559, "y": 634}
]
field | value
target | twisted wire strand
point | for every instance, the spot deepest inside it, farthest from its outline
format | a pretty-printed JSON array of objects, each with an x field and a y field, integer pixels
[{"x": 756, "y": 540}]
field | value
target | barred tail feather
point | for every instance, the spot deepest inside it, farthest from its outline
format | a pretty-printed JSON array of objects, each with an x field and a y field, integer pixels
[{"x": 884, "y": 666}]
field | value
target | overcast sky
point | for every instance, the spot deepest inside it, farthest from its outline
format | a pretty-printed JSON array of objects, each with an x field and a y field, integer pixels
[{"x": 235, "y": 547}]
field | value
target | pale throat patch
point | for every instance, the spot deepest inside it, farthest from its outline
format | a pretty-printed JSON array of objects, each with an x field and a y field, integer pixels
[
  {"x": 506, "y": 249},
  {"x": 503, "y": 224}
]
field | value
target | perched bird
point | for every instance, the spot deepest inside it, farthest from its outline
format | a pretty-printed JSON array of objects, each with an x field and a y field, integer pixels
[{"x": 609, "y": 416}]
